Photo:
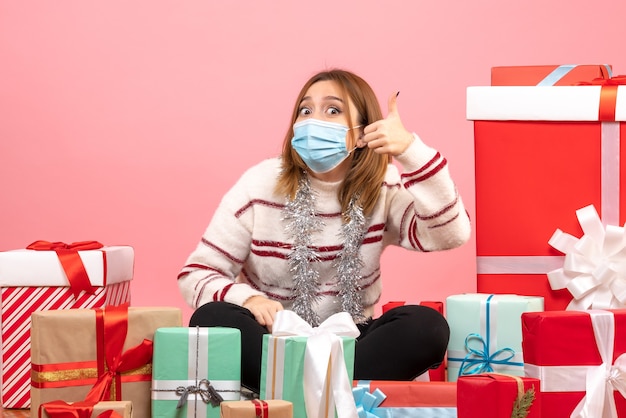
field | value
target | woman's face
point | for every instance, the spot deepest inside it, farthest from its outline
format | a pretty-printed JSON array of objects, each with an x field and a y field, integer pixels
[{"x": 324, "y": 101}]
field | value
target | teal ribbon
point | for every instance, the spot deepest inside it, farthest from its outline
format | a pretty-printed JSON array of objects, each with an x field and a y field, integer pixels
[
  {"x": 367, "y": 402},
  {"x": 480, "y": 360}
]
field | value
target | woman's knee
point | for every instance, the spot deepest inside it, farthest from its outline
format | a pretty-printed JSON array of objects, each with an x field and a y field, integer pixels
[
  {"x": 425, "y": 323},
  {"x": 216, "y": 314}
]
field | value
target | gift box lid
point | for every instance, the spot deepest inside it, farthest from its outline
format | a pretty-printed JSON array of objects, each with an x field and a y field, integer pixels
[
  {"x": 27, "y": 268},
  {"x": 558, "y": 103},
  {"x": 548, "y": 75}
]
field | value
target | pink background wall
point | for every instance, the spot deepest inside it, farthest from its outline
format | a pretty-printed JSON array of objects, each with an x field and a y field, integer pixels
[{"x": 125, "y": 122}]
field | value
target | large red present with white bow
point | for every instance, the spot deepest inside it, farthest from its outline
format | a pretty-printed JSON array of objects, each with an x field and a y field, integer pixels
[
  {"x": 541, "y": 153},
  {"x": 580, "y": 358},
  {"x": 53, "y": 276}
]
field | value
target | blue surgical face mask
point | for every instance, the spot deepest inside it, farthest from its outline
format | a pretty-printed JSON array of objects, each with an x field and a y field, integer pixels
[{"x": 320, "y": 144}]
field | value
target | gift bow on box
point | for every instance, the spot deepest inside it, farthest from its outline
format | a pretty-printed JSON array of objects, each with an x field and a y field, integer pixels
[
  {"x": 71, "y": 262},
  {"x": 207, "y": 393},
  {"x": 603, "y": 379},
  {"x": 112, "y": 327},
  {"x": 62, "y": 409},
  {"x": 594, "y": 270},
  {"x": 324, "y": 366},
  {"x": 366, "y": 401}
]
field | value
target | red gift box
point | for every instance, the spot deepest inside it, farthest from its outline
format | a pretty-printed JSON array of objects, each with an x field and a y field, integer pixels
[
  {"x": 541, "y": 153},
  {"x": 493, "y": 395},
  {"x": 547, "y": 75},
  {"x": 434, "y": 398},
  {"x": 576, "y": 354},
  {"x": 36, "y": 280},
  {"x": 434, "y": 375},
  {"x": 410, "y": 393}
]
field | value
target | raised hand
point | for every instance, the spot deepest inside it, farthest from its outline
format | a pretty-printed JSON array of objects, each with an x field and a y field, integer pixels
[{"x": 388, "y": 135}]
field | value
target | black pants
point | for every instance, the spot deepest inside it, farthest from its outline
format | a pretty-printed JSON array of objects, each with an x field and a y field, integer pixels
[{"x": 400, "y": 345}]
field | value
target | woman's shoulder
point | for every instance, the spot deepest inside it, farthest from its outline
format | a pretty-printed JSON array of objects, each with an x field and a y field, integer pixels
[
  {"x": 263, "y": 170},
  {"x": 261, "y": 177}
]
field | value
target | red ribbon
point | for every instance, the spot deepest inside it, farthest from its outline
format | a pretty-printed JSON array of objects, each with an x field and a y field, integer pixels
[
  {"x": 71, "y": 262},
  {"x": 62, "y": 409},
  {"x": 111, "y": 330},
  {"x": 261, "y": 408},
  {"x": 608, "y": 95}
]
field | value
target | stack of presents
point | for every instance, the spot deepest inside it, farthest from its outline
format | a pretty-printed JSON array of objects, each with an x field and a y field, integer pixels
[{"x": 543, "y": 336}]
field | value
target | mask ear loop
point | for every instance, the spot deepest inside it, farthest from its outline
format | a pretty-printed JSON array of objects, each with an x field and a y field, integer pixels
[{"x": 355, "y": 147}]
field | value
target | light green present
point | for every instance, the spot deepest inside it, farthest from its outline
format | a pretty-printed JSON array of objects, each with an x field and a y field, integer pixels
[
  {"x": 283, "y": 366},
  {"x": 486, "y": 333},
  {"x": 188, "y": 364}
]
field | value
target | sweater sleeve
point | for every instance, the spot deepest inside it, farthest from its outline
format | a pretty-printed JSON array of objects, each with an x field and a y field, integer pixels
[
  {"x": 427, "y": 213},
  {"x": 210, "y": 271}
]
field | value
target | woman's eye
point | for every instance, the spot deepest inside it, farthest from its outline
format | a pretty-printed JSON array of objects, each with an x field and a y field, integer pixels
[
  {"x": 304, "y": 111},
  {"x": 333, "y": 110}
]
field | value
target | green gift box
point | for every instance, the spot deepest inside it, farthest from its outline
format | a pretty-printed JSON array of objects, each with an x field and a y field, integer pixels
[
  {"x": 284, "y": 361},
  {"x": 486, "y": 333},
  {"x": 190, "y": 365}
]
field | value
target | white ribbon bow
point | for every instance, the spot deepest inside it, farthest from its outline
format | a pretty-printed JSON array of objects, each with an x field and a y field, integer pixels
[
  {"x": 323, "y": 356},
  {"x": 602, "y": 380},
  {"x": 594, "y": 270}
]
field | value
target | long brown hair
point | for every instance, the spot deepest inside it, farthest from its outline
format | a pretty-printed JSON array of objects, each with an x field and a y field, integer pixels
[{"x": 367, "y": 171}]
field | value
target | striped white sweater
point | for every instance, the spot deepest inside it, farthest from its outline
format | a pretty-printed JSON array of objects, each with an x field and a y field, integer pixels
[{"x": 244, "y": 251}]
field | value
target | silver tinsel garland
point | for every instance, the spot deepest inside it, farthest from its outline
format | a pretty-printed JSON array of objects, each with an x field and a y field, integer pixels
[
  {"x": 302, "y": 223},
  {"x": 300, "y": 212},
  {"x": 349, "y": 263}
]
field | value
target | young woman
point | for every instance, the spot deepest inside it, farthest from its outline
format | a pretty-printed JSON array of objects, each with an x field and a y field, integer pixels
[{"x": 305, "y": 231}]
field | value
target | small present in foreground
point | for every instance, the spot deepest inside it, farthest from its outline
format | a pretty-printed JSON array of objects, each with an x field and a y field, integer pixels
[
  {"x": 256, "y": 408},
  {"x": 60, "y": 409},
  {"x": 193, "y": 369},
  {"x": 96, "y": 354},
  {"x": 493, "y": 395}
]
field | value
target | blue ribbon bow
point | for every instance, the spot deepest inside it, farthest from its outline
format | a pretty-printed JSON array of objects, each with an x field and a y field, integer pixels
[
  {"x": 367, "y": 401},
  {"x": 480, "y": 360}
]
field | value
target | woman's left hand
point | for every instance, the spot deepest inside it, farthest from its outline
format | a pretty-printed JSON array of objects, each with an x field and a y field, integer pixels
[{"x": 387, "y": 136}]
